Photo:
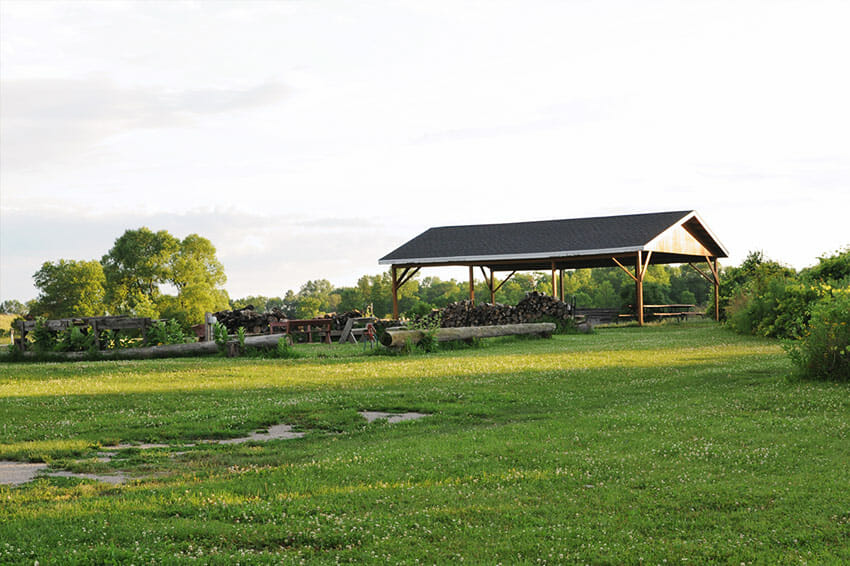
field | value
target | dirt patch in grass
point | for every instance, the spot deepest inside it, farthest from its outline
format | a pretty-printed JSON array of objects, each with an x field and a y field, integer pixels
[
  {"x": 17, "y": 473},
  {"x": 392, "y": 418},
  {"x": 275, "y": 432},
  {"x": 116, "y": 479}
]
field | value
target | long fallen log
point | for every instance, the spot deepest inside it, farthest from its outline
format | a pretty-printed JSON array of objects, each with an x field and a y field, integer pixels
[
  {"x": 398, "y": 338},
  {"x": 167, "y": 351}
]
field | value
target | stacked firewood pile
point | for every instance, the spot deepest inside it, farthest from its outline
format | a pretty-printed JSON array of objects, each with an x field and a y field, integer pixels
[
  {"x": 532, "y": 308},
  {"x": 256, "y": 323},
  {"x": 341, "y": 318},
  {"x": 252, "y": 321}
]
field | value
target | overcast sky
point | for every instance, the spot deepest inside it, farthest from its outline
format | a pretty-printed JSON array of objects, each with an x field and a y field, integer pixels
[{"x": 308, "y": 139}]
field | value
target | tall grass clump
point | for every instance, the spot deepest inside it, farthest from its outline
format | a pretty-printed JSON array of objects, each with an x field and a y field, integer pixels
[{"x": 285, "y": 351}]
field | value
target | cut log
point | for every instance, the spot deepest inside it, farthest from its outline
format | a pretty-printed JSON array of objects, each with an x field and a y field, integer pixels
[
  {"x": 398, "y": 338},
  {"x": 167, "y": 351}
]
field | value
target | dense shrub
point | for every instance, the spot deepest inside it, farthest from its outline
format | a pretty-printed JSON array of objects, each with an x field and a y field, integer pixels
[
  {"x": 824, "y": 351},
  {"x": 165, "y": 333},
  {"x": 738, "y": 284},
  {"x": 831, "y": 269},
  {"x": 43, "y": 340},
  {"x": 75, "y": 340},
  {"x": 778, "y": 307}
]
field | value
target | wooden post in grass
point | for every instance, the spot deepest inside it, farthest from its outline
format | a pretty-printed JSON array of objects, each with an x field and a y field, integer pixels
[
  {"x": 716, "y": 291},
  {"x": 472, "y": 285},
  {"x": 714, "y": 280},
  {"x": 554, "y": 284},
  {"x": 715, "y": 272},
  {"x": 562, "y": 285},
  {"x": 395, "y": 292},
  {"x": 639, "y": 289}
]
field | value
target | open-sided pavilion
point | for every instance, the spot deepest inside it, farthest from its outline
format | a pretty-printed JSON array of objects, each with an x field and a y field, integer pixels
[{"x": 633, "y": 240}]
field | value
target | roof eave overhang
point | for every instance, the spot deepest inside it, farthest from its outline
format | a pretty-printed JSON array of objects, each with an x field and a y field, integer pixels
[
  {"x": 705, "y": 227},
  {"x": 483, "y": 259},
  {"x": 684, "y": 219}
]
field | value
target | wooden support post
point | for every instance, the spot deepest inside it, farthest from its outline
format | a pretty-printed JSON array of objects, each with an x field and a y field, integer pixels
[
  {"x": 491, "y": 282},
  {"x": 96, "y": 333},
  {"x": 208, "y": 326},
  {"x": 395, "y": 292},
  {"x": 499, "y": 286},
  {"x": 639, "y": 288},
  {"x": 716, "y": 271},
  {"x": 554, "y": 282},
  {"x": 714, "y": 280},
  {"x": 22, "y": 336},
  {"x": 562, "y": 285},
  {"x": 472, "y": 285}
]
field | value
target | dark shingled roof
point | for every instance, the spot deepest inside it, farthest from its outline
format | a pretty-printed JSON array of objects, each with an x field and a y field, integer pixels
[{"x": 540, "y": 239}]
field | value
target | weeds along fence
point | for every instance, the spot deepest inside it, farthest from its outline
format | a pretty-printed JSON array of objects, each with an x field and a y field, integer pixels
[{"x": 91, "y": 326}]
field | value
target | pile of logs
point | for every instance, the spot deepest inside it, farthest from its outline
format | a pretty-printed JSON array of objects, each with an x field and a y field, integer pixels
[
  {"x": 341, "y": 318},
  {"x": 257, "y": 323},
  {"x": 532, "y": 308},
  {"x": 252, "y": 321}
]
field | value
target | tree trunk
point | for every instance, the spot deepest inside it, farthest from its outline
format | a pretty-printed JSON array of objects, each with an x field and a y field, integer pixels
[
  {"x": 397, "y": 338},
  {"x": 168, "y": 351}
]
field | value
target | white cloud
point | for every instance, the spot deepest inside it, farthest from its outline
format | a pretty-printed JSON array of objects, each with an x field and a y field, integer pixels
[
  {"x": 61, "y": 119},
  {"x": 262, "y": 254}
]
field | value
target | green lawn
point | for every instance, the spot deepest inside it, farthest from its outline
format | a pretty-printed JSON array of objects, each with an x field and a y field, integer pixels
[{"x": 677, "y": 443}]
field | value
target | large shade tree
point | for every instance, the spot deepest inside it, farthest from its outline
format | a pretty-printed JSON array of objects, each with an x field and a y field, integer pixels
[
  {"x": 69, "y": 288},
  {"x": 198, "y": 276},
  {"x": 142, "y": 262},
  {"x": 138, "y": 263}
]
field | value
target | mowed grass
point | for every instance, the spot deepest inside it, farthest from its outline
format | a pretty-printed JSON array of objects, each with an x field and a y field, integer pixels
[{"x": 677, "y": 443}]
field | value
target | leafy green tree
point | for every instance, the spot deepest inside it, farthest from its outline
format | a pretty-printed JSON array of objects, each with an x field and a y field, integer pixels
[
  {"x": 583, "y": 300},
  {"x": 308, "y": 307},
  {"x": 321, "y": 296},
  {"x": 752, "y": 276},
  {"x": 834, "y": 268},
  {"x": 434, "y": 291},
  {"x": 258, "y": 301},
  {"x": 290, "y": 304},
  {"x": 604, "y": 296},
  {"x": 69, "y": 288},
  {"x": 351, "y": 298},
  {"x": 261, "y": 303},
  {"x": 377, "y": 291},
  {"x": 138, "y": 263},
  {"x": 687, "y": 286},
  {"x": 516, "y": 288},
  {"x": 198, "y": 276},
  {"x": 12, "y": 306}
]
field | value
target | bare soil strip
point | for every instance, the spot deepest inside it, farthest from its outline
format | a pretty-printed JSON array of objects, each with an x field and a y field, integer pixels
[
  {"x": 392, "y": 418},
  {"x": 18, "y": 473}
]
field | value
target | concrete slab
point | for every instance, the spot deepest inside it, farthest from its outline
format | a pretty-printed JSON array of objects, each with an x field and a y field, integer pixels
[
  {"x": 141, "y": 446},
  {"x": 116, "y": 479},
  {"x": 275, "y": 432},
  {"x": 392, "y": 418},
  {"x": 17, "y": 473}
]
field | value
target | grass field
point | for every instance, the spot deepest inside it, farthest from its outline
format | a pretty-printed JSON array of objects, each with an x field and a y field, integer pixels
[{"x": 677, "y": 444}]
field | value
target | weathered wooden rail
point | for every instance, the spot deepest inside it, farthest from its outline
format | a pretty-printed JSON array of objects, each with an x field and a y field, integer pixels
[{"x": 96, "y": 324}]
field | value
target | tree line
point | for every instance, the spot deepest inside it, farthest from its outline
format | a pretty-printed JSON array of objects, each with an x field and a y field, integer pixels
[
  {"x": 144, "y": 274},
  {"x": 154, "y": 274},
  {"x": 592, "y": 288}
]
